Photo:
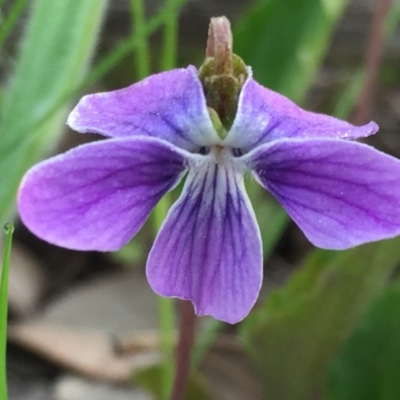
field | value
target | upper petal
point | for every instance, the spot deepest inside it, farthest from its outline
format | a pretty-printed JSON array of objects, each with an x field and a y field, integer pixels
[
  {"x": 340, "y": 193},
  {"x": 170, "y": 106},
  {"x": 209, "y": 248},
  {"x": 264, "y": 116},
  {"x": 97, "y": 196}
]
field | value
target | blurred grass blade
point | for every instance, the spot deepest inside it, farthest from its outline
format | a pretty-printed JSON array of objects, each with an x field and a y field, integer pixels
[
  {"x": 108, "y": 62},
  {"x": 142, "y": 58},
  {"x": 295, "y": 334},
  {"x": 130, "y": 44},
  {"x": 393, "y": 18},
  {"x": 345, "y": 103},
  {"x": 367, "y": 368},
  {"x": 9, "y": 21},
  {"x": 284, "y": 41},
  {"x": 9, "y": 230},
  {"x": 55, "y": 53},
  {"x": 170, "y": 38}
]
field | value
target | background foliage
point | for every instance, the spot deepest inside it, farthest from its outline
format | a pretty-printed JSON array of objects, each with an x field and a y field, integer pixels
[{"x": 332, "y": 331}]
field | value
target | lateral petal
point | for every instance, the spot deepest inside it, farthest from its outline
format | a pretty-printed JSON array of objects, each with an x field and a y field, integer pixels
[
  {"x": 98, "y": 195},
  {"x": 340, "y": 193}
]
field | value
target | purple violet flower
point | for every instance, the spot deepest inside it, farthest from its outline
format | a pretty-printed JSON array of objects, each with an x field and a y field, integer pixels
[{"x": 97, "y": 196}]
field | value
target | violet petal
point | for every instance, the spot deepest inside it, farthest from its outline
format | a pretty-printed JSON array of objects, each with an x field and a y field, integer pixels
[
  {"x": 98, "y": 195},
  {"x": 209, "y": 249},
  {"x": 340, "y": 193},
  {"x": 170, "y": 106},
  {"x": 264, "y": 115}
]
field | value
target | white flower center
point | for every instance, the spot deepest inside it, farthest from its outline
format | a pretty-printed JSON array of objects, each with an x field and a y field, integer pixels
[{"x": 221, "y": 155}]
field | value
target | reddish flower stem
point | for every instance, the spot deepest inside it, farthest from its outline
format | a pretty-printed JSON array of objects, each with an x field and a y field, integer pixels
[
  {"x": 187, "y": 331},
  {"x": 365, "y": 103}
]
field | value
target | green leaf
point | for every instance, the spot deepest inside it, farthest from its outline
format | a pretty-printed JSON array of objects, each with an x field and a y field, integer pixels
[
  {"x": 9, "y": 229},
  {"x": 56, "y": 49},
  {"x": 284, "y": 41},
  {"x": 295, "y": 334},
  {"x": 368, "y": 366}
]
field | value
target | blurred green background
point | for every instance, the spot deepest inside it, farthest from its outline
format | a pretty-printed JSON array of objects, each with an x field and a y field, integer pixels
[{"x": 327, "y": 324}]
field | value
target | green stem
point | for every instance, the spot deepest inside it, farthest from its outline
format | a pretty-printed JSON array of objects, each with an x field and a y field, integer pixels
[
  {"x": 9, "y": 229},
  {"x": 166, "y": 316},
  {"x": 142, "y": 47}
]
